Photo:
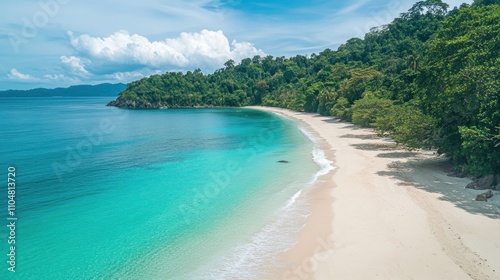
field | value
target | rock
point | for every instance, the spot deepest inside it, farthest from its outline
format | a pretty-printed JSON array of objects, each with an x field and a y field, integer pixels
[
  {"x": 483, "y": 183},
  {"x": 283, "y": 161},
  {"x": 484, "y": 196},
  {"x": 497, "y": 181},
  {"x": 458, "y": 174},
  {"x": 471, "y": 185}
]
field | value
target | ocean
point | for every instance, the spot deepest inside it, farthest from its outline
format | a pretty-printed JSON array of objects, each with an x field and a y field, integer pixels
[{"x": 109, "y": 193}]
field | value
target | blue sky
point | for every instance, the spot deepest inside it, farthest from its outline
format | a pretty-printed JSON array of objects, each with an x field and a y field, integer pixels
[{"x": 58, "y": 43}]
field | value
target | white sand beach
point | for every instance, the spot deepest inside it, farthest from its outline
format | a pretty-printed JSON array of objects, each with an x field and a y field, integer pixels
[{"x": 387, "y": 213}]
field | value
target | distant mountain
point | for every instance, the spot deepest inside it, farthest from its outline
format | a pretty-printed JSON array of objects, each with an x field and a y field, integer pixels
[{"x": 80, "y": 90}]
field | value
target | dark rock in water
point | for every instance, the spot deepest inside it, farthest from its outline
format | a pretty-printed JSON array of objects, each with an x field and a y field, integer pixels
[
  {"x": 484, "y": 196},
  {"x": 483, "y": 183},
  {"x": 283, "y": 161}
]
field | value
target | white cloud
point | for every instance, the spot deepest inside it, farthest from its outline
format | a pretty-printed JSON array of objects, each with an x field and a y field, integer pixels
[
  {"x": 46, "y": 80},
  {"x": 190, "y": 50},
  {"x": 54, "y": 77},
  {"x": 127, "y": 76},
  {"x": 75, "y": 64},
  {"x": 16, "y": 75},
  {"x": 61, "y": 78},
  {"x": 244, "y": 50},
  {"x": 353, "y": 7}
]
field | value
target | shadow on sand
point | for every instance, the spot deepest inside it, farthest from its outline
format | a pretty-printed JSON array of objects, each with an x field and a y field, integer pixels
[
  {"x": 376, "y": 146},
  {"x": 361, "y": 136},
  {"x": 397, "y": 155},
  {"x": 424, "y": 172},
  {"x": 429, "y": 174}
]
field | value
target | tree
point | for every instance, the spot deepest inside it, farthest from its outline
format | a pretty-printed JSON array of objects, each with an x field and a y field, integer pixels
[
  {"x": 406, "y": 124},
  {"x": 461, "y": 88},
  {"x": 428, "y": 79},
  {"x": 229, "y": 64},
  {"x": 366, "y": 110}
]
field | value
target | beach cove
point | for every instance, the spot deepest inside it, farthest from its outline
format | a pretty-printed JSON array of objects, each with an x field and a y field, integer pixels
[
  {"x": 387, "y": 213},
  {"x": 234, "y": 193},
  {"x": 156, "y": 194}
]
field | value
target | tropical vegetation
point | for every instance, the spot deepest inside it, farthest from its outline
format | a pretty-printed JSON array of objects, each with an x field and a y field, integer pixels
[{"x": 429, "y": 79}]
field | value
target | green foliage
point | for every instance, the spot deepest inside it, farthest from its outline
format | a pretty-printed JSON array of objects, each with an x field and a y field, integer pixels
[
  {"x": 326, "y": 100},
  {"x": 406, "y": 124},
  {"x": 480, "y": 148},
  {"x": 460, "y": 85},
  {"x": 486, "y": 2},
  {"x": 430, "y": 78},
  {"x": 341, "y": 109},
  {"x": 366, "y": 110}
]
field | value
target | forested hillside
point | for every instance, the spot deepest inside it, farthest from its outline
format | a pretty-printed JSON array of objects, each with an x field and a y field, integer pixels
[
  {"x": 429, "y": 79},
  {"x": 79, "y": 90}
]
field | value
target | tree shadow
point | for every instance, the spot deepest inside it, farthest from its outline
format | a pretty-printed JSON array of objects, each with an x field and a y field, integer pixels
[
  {"x": 375, "y": 146},
  {"x": 397, "y": 155},
  {"x": 429, "y": 175},
  {"x": 361, "y": 136}
]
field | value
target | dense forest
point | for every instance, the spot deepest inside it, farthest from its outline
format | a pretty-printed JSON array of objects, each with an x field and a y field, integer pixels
[
  {"x": 429, "y": 79},
  {"x": 80, "y": 90}
]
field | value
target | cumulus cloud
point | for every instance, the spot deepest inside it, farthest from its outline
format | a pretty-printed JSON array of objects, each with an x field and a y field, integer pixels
[
  {"x": 16, "y": 75},
  {"x": 127, "y": 76},
  {"x": 75, "y": 64},
  {"x": 60, "y": 78},
  {"x": 204, "y": 49},
  {"x": 54, "y": 77}
]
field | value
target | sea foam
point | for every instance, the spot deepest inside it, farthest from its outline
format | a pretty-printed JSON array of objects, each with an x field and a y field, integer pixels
[{"x": 259, "y": 257}]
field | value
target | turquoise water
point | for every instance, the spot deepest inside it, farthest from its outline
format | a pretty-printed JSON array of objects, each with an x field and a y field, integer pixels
[{"x": 107, "y": 193}]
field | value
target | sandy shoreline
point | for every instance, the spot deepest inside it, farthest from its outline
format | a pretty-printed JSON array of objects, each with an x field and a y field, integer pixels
[{"x": 386, "y": 213}]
